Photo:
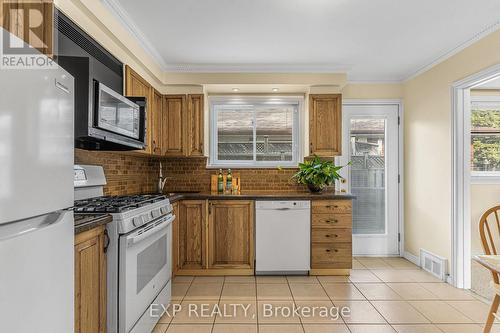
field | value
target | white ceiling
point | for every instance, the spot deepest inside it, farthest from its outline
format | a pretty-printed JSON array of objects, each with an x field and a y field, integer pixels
[{"x": 383, "y": 40}]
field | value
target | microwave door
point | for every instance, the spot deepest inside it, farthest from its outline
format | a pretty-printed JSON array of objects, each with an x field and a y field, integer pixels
[{"x": 117, "y": 114}]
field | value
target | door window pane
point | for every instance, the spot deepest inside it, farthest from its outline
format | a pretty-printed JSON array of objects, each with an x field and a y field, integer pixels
[{"x": 367, "y": 149}]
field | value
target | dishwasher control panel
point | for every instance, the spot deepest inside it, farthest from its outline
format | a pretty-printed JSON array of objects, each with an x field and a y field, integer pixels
[{"x": 284, "y": 204}]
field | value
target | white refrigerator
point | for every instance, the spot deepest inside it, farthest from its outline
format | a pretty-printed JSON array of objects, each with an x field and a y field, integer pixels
[{"x": 36, "y": 188}]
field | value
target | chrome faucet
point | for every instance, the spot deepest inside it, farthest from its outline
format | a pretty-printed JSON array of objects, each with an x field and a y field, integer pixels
[{"x": 161, "y": 180}]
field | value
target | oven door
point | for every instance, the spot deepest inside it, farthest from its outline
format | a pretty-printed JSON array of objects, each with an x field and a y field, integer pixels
[
  {"x": 116, "y": 113},
  {"x": 145, "y": 268}
]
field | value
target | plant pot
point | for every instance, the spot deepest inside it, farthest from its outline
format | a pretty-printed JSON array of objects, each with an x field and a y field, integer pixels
[{"x": 314, "y": 188}]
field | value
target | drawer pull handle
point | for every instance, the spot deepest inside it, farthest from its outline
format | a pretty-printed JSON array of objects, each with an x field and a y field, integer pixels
[
  {"x": 327, "y": 236},
  {"x": 332, "y": 221},
  {"x": 330, "y": 206},
  {"x": 327, "y": 250}
]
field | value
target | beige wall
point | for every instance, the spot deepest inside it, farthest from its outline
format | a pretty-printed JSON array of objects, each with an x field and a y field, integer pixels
[
  {"x": 373, "y": 91},
  {"x": 427, "y": 102}
]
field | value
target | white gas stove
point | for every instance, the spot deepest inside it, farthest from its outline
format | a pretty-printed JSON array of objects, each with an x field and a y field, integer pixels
[{"x": 139, "y": 253}]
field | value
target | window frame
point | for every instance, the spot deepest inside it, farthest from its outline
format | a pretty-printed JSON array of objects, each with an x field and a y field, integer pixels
[
  {"x": 297, "y": 131},
  {"x": 482, "y": 177}
]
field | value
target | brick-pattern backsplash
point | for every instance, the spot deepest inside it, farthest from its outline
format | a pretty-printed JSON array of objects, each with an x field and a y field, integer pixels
[
  {"x": 191, "y": 174},
  {"x": 134, "y": 174},
  {"x": 125, "y": 173}
]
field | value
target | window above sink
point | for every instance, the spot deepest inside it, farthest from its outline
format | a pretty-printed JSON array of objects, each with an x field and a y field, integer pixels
[{"x": 255, "y": 131}]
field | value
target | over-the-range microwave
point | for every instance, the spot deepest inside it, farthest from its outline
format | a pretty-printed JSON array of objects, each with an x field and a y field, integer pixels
[{"x": 118, "y": 119}]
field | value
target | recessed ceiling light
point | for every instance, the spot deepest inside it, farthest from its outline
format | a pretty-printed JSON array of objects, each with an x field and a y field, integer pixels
[
  {"x": 236, "y": 89},
  {"x": 275, "y": 89}
]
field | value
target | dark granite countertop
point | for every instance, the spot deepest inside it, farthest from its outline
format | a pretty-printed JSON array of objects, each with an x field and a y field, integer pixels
[
  {"x": 249, "y": 195},
  {"x": 84, "y": 222}
]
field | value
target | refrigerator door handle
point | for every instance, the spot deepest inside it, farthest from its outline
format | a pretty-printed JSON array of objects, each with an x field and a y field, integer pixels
[{"x": 22, "y": 227}]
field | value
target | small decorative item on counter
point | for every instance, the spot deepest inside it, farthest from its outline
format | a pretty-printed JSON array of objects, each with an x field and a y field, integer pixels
[
  {"x": 236, "y": 186},
  {"x": 220, "y": 182},
  {"x": 318, "y": 174},
  {"x": 229, "y": 182}
]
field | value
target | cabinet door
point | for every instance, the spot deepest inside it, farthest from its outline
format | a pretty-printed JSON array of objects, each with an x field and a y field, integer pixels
[
  {"x": 173, "y": 128},
  {"x": 156, "y": 123},
  {"x": 90, "y": 282},
  {"x": 192, "y": 234},
  {"x": 230, "y": 230},
  {"x": 136, "y": 86},
  {"x": 31, "y": 21},
  {"x": 195, "y": 125},
  {"x": 325, "y": 125}
]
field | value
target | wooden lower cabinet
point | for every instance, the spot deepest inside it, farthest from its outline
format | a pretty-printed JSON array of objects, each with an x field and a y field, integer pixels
[
  {"x": 331, "y": 237},
  {"x": 90, "y": 281},
  {"x": 214, "y": 237},
  {"x": 230, "y": 234},
  {"x": 192, "y": 231}
]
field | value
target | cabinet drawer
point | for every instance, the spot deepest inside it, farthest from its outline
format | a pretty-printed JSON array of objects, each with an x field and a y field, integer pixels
[
  {"x": 332, "y": 206},
  {"x": 331, "y": 221},
  {"x": 331, "y": 235},
  {"x": 334, "y": 255}
]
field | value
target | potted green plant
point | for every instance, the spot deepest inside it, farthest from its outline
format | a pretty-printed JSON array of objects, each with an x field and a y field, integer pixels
[{"x": 317, "y": 174}]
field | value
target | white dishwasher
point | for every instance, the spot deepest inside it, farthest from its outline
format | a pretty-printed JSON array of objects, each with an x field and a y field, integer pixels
[{"x": 282, "y": 237}]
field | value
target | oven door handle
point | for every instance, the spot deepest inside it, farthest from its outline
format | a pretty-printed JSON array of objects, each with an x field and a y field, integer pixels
[{"x": 138, "y": 238}]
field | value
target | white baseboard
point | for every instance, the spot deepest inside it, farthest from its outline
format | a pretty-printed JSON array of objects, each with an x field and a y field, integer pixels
[{"x": 412, "y": 258}]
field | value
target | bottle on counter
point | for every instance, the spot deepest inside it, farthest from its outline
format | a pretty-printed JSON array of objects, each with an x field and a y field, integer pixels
[
  {"x": 229, "y": 181},
  {"x": 220, "y": 182}
]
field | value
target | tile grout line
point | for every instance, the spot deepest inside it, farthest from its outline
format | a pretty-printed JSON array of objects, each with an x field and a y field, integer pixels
[
  {"x": 218, "y": 302},
  {"x": 430, "y": 321},
  {"x": 180, "y": 302},
  {"x": 331, "y": 300},
  {"x": 294, "y": 302}
]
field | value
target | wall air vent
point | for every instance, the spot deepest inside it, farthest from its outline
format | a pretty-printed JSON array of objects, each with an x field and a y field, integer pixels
[{"x": 433, "y": 264}]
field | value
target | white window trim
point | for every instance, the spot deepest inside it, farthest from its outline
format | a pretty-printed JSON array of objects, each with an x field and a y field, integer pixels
[
  {"x": 298, "y": 132},
  {"x": 484, "y": 177}
]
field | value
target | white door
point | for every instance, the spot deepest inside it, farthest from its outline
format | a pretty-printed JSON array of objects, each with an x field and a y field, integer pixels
[{"x": 371, "y": 143}]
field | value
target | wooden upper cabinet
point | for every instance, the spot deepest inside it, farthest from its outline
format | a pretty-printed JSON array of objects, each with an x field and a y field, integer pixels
[
  {"x": 173, "y": 125},
  {"x": 195, "y": 125},
  {"x": 230, "y": 234},
  {"x": 136, "y": 86},
  {"x": 325, "y": 125},
  {"x": 90, "y": 282},
  {"x": 156, "y": 122},
  {"x": 192, "y": 234},
  {"x": 31, "y": 21}
]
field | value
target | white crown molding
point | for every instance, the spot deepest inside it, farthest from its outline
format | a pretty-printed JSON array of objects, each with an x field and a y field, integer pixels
[
  {"x": 257, "y": 68},
  {"x": 375, "y": 81},
  {"x": 483, "y": 33},
  {"x": 117, "y": 10}
]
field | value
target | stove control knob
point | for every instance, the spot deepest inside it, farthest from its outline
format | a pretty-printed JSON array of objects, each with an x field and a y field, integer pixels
[
  {"x": 155, "y": 213},
  {"x": 146, "y": 217},
  {"x": 137, "y": 221},
  {"x": 163, "y": 210}
]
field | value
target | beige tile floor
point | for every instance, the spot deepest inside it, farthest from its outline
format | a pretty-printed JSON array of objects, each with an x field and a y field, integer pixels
[{"x": 383, "y": 295}]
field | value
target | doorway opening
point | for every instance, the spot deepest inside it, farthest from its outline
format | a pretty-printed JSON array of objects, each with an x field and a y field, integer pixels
[{"x": 470, "y": 169}]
